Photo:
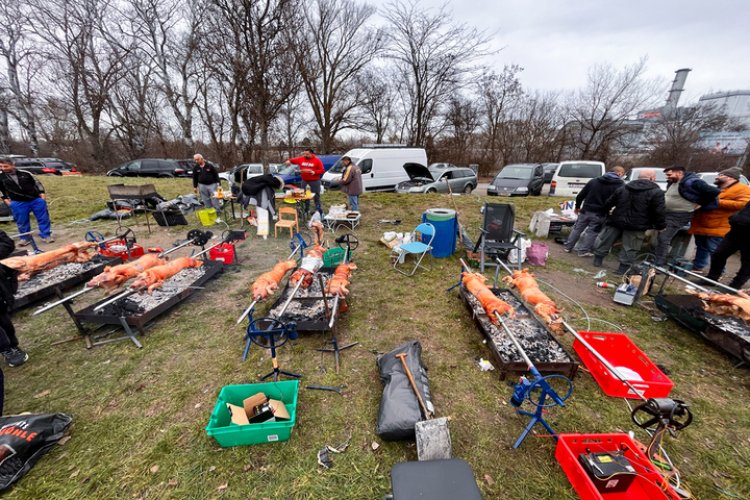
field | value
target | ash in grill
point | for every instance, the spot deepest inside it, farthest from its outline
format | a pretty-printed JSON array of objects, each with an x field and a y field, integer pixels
[
  {"x": 733, "y": 326},
  {"x": 538, "y": 343},
  {"x": 54, "y": 276},
  {"x": 313, "y": 291},
  {"x": 305, "y": 310},
  {"x": 142, "y": 302}
]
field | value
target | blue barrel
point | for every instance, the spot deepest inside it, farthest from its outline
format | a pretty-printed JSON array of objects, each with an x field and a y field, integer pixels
[{"x": 446, "y": 231}]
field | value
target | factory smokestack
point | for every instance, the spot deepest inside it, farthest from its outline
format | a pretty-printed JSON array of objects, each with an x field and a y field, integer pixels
[{"x": 678, "y": 86}]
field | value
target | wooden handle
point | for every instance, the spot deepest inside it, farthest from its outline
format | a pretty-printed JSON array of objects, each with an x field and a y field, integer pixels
[{"x": 402, "y": 357}]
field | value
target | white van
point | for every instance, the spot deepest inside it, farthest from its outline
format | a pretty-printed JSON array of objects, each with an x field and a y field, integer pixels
[
  {"x": 382, "y": 167},
  {"x": 570, "y": 177}
]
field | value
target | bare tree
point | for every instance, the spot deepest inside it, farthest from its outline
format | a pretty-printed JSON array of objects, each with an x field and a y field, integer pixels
[
  {"x": 498, "y": 94},
  {"x": 537, "y": 121},
  {"x": 434, "y": 58},
  {"x": 463, "y": 120},
  {"x": 4, "y": 122},
  {"x": 331, "y": 49},
  {"x": 375, "y": 115},
  {"x": 598, "y": 112}
]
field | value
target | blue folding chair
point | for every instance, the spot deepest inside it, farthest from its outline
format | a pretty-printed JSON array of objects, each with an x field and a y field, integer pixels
[{"x": 416, "y": 247}]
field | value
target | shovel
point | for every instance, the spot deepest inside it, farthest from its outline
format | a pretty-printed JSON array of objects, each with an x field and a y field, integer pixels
[{"x": 433, "y": 435}]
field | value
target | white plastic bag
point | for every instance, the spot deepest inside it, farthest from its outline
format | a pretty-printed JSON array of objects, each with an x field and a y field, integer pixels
[{"x": 513, "y": 255}]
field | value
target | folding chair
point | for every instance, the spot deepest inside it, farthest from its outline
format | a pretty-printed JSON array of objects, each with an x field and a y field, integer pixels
[
  {"x": 497, "y": 236},
  {"x": 291, "y": 221},
  {"x": 121, "y": 192},
  {"x": 416, "y": 247}
]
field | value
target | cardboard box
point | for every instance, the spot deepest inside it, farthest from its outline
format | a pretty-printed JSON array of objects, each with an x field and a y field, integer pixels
[{"x": 258, "y": 409}]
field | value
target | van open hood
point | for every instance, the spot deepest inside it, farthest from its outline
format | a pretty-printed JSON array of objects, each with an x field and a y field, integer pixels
[{"x": 418, "y": 171}]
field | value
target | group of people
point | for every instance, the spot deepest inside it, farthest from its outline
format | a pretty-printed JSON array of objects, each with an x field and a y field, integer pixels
[{"x": 717, "y": 215}]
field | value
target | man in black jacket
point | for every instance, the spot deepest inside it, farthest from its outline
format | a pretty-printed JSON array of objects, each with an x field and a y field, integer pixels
[
  {"x": 206, "y": 182},
  {"x": 635, "y": 208},
  {"x": 24, "y": 194},
  {"x": 685, "y": 193},
  {"x": 591, "y": 216},
  {"x": 8, "y": 287},
  {"x": 737, "y": 239}
]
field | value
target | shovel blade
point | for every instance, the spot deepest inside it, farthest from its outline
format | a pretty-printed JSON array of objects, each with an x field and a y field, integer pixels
[{"x": 433, "y": 439}]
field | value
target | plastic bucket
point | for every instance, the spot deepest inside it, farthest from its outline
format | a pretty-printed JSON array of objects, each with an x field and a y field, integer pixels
[
  {"x": 446, "y": 231},
  {"x": 207, "y": 216}
]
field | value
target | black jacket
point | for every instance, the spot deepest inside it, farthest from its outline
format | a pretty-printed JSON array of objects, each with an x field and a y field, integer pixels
[
  {"x": 638, "y": 206},
  {"x": 696, "y": 190},
  {"x": 8, "y": 276},
  {"x": 596, "y": 192},
  {"x": 207, "y": 175},
  {"x": 741, "y": 220},
  {"x": 26, "y": 189}
]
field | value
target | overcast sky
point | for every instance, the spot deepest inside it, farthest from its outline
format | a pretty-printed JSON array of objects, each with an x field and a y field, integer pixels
[{"x": 555, "y": 41}]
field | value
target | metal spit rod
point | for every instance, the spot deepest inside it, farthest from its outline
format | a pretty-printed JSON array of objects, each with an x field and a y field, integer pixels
[
  {"x": 707, "y": 280},
  {"x": 515, "y": 342},
  {"x": 250, "y": 307},
  {"x": 87, "y": 289},
  {"x": 336, "y": 299},
  {"x": 679, "y": 278},
  {"x": 128, "y": 293}
]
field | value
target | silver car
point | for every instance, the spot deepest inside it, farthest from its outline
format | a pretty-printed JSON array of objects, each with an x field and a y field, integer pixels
[{"x": 438, "y": 180}]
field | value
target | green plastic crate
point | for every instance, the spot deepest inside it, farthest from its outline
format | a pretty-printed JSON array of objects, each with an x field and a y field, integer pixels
[
  {"x": 221, "y": 428},
  {"x": 334, "y": 257}
]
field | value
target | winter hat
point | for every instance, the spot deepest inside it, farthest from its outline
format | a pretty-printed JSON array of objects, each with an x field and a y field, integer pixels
[{"x": 733, "y": 172}]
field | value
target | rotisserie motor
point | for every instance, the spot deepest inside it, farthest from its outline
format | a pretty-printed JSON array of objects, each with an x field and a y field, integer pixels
[
  {"x": 29, "y": 265},
  {"x": 311, "y": 263},
  {"x": 474, "y": 283},
  {"x": 727, "y": 305},
  {"x": 268, "y": 282},
  {"x": 114, "y": 276},
  {"x": 153, "y": 278},
  {"x": 528, "y": 287}
]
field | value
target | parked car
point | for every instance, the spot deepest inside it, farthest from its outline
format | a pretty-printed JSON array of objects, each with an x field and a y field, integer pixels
[
  {"x": 45, "y": 166},
  {"x": 241, "y": 173},
  {"x": 291, "y": 174},
  {"x": 440, "y": 166},
  {"x": 518, "y": 179},
  {"x": 437, "y": 180},
  {"x": 710, "y": 177},
  {"x": 571, "y": 176},
  {"x": 635, "y": 172},
  {"x": 549, "y": 171},
  {"x": 154, "y": 167},
  {"x": 382, "y": 167}
]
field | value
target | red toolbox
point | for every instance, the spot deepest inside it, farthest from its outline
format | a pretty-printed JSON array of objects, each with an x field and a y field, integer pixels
[
  {"x": 647, "y": 484},
  {"x": 118, "y": 248},
  {"x": 622, "y": 353},
  {"x": 224, "y": 253}
]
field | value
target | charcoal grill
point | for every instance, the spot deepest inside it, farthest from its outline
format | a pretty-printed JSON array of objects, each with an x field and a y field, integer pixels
[
  {"x": 28, "y": 292},
  {"x": 547, "y": 354},
  {"x": 130, "y": 319},
  {"x": 732, "y": 335},
  {"x": 307, "y": 308}
]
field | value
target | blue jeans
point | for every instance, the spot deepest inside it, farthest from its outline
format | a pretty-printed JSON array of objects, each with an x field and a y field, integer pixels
[
  {"x": 704, "y": 247},
  {"x": 592, "y": 223},
  {"x": 353, "y": 202},
  {"x": 22, "y": 211}
]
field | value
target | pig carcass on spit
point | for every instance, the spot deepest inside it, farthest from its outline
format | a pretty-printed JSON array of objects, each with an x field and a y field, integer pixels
[
  {"x": 114, "y": 276},
  {"x": 268, "y": 282},
  {"x": 339, "y": 283},
  {"x": 545, "y": 307},
  {"x": 474, "y": 283},
  {"x": 311, "y": 263},
  {"x": 29, "y": 265},
  {"x": 154, "y": 278},
  {"x": 727, "y": 305}
]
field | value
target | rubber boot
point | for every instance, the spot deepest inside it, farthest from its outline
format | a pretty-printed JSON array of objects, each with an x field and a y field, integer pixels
[
  {"x": 622, "y": 269},
  {"x": 598, "y": 261}
]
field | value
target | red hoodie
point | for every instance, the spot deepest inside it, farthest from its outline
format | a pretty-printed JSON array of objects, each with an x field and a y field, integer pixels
[{"x": 313, "y": 163}]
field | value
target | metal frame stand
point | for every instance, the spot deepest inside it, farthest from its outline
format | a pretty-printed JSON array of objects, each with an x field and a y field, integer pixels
[{"x": 275, "y": 332}]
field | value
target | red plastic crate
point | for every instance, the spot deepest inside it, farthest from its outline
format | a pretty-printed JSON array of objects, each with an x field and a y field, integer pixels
[
  {"x": 647, "y": 485},
  {"x": 224, "y": 252},
  {"x": 117, "y": 248},
  {"x": 620, "y": 351}
]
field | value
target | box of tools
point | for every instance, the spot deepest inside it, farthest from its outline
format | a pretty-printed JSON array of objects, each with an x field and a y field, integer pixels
[{"x": 254, "y": 413}]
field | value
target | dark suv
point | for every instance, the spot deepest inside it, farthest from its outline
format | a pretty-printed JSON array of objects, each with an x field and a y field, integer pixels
[
  {"x": 42, "y": 166},
  {"x": 154, "y": 167}
]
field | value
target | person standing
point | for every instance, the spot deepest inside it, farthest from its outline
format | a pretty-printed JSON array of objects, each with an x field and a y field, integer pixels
[
  {"x": 260, "y": 192},
  {"x": 351, "y": 182},
  {"x": 8, "y": 287},
  {"x": 591, "y": 216},
  {"x": 685, "y": 193},
  {"x": 24, "y": 194},
  {"x": 710, "y": 225},
  {"x": 736, "y": 240},
  {"x": 635, "y": 208},
  {"x": 206, "y": 182},
  {"x": 311, "y": 169}
]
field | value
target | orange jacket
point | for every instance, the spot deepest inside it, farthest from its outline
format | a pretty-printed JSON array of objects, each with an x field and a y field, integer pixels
[{"x": 716, "y": 222}]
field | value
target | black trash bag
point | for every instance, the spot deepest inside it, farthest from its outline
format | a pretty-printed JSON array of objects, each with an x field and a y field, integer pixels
[
  {"x": 24, "y": 439},
  {"x": 399, "y": 408}
]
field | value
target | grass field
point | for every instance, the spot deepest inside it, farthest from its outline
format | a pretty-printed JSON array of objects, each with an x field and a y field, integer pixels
[{"x": 139, "y": 414}]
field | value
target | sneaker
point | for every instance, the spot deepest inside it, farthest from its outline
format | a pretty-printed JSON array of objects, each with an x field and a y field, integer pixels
[
  {"x": 567, "y": 250},
  {"x": 48, "y": 239},
  {"x": 598, "y": 261},
  {"x": 15, "y": 356},
  {"x": 698, "y": 271},
  {"x": 24, "y": 243},
  {"x": 585, "y": 254}
]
